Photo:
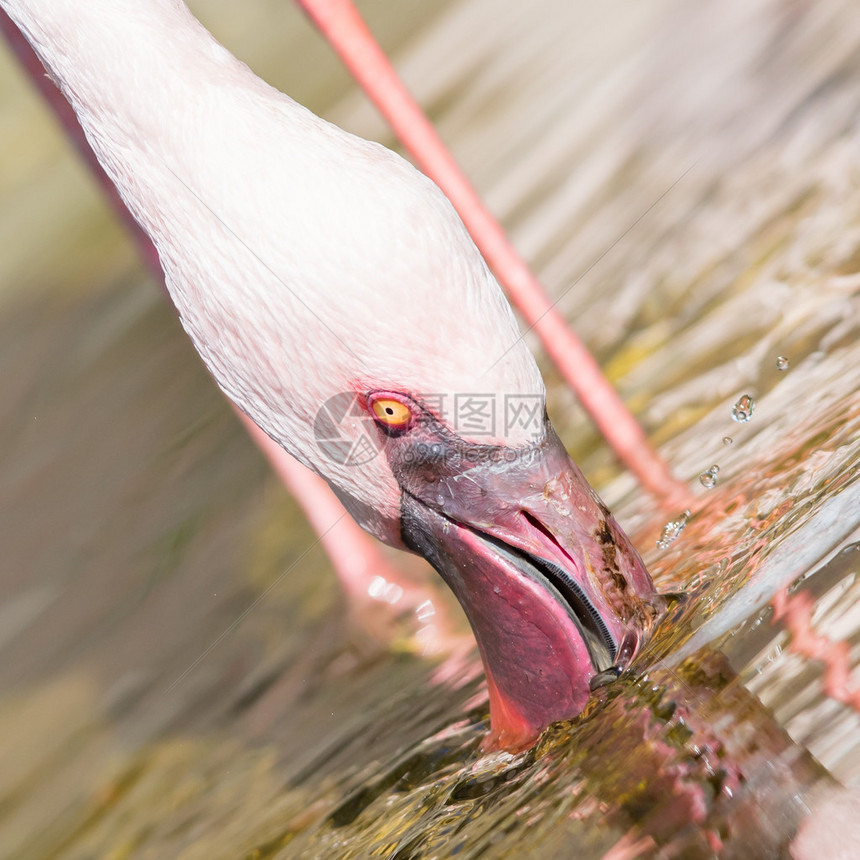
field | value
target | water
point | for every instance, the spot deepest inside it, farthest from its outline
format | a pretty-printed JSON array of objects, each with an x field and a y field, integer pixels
[
  {"x": 168, "y": 692},
  {"x": 708, "y": 478},
  {"x": 672, "y": 530},
  {"x": 742, "y": 410}
]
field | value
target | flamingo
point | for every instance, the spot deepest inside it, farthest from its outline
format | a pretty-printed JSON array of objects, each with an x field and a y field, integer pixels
[{"x": 339, "y": 302}]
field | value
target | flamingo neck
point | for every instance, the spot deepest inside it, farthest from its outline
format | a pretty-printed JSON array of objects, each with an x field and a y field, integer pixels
[
  {"x": 304, "y": 262},
  {"x": 141, "y": 77}
]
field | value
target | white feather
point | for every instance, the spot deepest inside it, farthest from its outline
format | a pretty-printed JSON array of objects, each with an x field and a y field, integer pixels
[{"x": 303, "y": 261}]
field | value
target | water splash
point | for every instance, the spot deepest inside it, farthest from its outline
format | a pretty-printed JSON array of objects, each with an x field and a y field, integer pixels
[
  {"x": 782, "y": 363},
  {"x": 742, "y": 410},
  {"x": 672, "y": 530},
  {"x": 708, "y": 478}
]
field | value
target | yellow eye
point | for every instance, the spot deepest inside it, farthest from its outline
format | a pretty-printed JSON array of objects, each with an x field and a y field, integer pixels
[{"x": 390, "y": 412}]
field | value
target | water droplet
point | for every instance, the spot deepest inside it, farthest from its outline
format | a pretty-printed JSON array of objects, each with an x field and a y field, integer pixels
[
  {"x": 727, "y": 441},
  {"x": 672, "y": 531},
  {"x": 742, "y": 410},
  {"x": 708, "y": 478},
  {"x": 782, "y": 363}
]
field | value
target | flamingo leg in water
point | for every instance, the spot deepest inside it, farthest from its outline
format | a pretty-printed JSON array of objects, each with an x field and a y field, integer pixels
[
  {"x": 342, "y": 25},
  {"x": 365, "y": 574},
  {"x": 367, "y": 578},
  {"x": 795, "y": 612}
]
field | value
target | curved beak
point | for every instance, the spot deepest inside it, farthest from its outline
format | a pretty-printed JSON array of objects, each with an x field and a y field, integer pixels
[{"x": 556, "y": 595}]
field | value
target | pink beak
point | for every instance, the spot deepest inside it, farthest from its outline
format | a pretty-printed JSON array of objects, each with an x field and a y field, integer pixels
[{"x": 557, "y": 597}]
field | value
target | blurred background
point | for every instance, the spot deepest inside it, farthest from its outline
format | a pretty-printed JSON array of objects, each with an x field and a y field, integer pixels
[{"x": 685, "y": 178}]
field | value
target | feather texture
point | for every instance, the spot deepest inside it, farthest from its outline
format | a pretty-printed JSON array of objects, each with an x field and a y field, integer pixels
[{"x": 303, "y": 261}]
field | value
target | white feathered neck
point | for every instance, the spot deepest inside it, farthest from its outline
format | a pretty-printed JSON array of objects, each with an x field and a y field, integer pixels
[{"x": 303, "y": 261}]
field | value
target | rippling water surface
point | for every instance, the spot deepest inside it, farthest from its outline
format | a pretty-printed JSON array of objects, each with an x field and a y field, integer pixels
[{"x": 686, "y": 180}]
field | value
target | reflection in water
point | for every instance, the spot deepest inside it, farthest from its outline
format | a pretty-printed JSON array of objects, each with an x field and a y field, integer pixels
[{"x": 138, "y": 524}]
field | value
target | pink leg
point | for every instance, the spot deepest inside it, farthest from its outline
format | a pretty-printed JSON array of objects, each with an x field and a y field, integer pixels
[
  {"x": 795, "y": 612},
  {"x": 364, "y": 572},
  {"x": 344, "y": 28},
  {"x": 630, "y": 847}
]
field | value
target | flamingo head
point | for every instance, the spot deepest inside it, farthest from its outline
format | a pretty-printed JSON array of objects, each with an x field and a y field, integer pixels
[
  {"x": 428, "y": 419},
  {"x": 337, "y": 298},
  {"x": 391, "y": 364},
  {"x": 557, "y": 596}
]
